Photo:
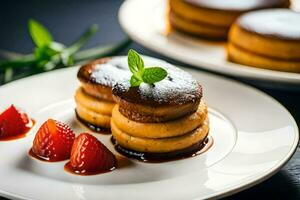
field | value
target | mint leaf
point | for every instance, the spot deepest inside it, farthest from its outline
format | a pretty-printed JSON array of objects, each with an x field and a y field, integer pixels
[
  {"x": 154, "y": 74},
  {"x": 134, "y": 81},
  {"x": 140, "y": 73},
  {"x": 135, "y": 63},
  {"x": 39, "y": 34}
]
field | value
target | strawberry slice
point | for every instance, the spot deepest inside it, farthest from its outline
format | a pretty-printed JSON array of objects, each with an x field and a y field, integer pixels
[
  {"x": 12, "y": 123},
  {"x": 90, "y": 156},
  {"x": 53, "y": 141}
]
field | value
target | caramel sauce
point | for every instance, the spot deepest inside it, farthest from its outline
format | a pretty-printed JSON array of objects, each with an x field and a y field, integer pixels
[
  {"x": 40, "y": 158},
  {"x": 121, "y": 162},
  {"x": 92, "y": 127},
  {"x": 20, "y": 135},
  {"x": 71, "y": 170},
  {"x": 191, "y": 151}
]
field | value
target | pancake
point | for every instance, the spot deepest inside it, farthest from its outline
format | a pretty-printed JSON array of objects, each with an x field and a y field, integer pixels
[
  {"x": 92, "y": 117},
  {"x": 267, "y": 39},
  {"x": 160, "y": 130},
  {"x": 249, "y": 58},
  {"x": 175, "y": 96},
  {"x": 196, "y": 28},
  {"x": 160, "y": 145},
  {"x": 92, "y": 103},
  {"x": 212, "y": 19}
]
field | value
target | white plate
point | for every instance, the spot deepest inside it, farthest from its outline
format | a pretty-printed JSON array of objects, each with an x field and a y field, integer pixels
[
  {"x": 144, "y": 21},
  {"x": 253, "y": 137}
]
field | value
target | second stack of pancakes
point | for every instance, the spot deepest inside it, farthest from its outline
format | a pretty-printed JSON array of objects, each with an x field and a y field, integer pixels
[
  {"x": 212, "y": 18},
  {"x": 166, "y": 117}
]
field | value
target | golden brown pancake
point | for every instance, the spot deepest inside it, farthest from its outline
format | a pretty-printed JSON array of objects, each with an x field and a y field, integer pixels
[
  {"x": 267, "y": 39},
  {"x": 92, "y": 103},
  {"x": 160, "y": 145},
  {"x": 92, "y": 117},
  {"x": 172, "y": 128}
]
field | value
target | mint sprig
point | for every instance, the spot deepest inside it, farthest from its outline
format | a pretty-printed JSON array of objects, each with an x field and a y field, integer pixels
[
  {"x": 49, "y": 53},
  {"x": 140, "y": 73}
]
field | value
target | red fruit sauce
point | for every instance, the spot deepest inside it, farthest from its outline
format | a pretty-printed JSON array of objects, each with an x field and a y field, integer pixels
[{"x": 22, "y": 134}]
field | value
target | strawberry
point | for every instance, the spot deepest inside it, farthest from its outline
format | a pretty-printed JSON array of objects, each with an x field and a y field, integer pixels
[
  {"x": 12, "y": 122},
  {"x": 53, "y": 141},
  {"x": 90, "y": 156}
]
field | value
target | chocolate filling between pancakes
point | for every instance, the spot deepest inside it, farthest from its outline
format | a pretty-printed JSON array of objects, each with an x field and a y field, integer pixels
[{"x": 194, "y": 150}]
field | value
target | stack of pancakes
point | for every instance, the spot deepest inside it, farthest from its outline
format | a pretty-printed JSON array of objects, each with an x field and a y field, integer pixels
[
  {"x": 168, "y": 116},
  {"x": 267, "y": 39},
  {"x": 213, "y": 18},
  {"x": 94, "y": 102}
]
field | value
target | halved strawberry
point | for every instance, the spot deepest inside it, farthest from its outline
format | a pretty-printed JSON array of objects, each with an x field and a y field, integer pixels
[
  {"x": 12, "y": 123},
  {"x": 53, "y": 141},
  {"x": 90, "y": 156}
]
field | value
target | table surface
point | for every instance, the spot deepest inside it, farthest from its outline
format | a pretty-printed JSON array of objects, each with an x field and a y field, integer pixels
[{"x": 67, "y": 19}]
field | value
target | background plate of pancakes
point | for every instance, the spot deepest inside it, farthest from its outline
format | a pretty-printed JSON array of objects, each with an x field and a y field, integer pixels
[
  {"x": 253, "y": 137},
  {"x": 276, "y": 56}
]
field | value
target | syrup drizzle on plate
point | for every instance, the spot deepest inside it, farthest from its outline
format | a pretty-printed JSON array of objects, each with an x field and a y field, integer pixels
[{"x": 191, "y": 151}]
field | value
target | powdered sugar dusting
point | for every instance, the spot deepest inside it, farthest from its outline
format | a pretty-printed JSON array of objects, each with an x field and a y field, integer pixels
[
  {"x": 111, "y": 72},
  {"x": 178, "y": 87},
  {"x": 277, "y": 23}
]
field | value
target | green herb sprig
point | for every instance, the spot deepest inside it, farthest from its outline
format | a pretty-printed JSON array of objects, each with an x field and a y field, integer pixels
[
  {"x": 49, "y": 54},
  {"x": 149, "y": 75}
]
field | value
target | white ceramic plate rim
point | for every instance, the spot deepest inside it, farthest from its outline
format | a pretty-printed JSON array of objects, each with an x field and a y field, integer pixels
[
  {"x": 151, "y": 41},
  {"x": 250, "y": 181}
]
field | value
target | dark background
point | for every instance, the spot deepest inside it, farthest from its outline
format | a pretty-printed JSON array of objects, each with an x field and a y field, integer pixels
[{"x": 67, "y": 19}]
